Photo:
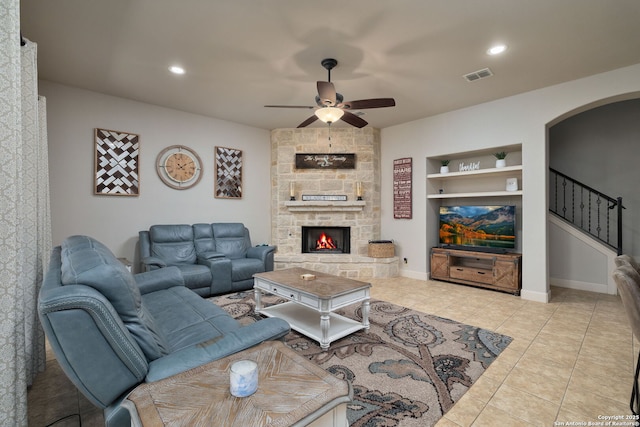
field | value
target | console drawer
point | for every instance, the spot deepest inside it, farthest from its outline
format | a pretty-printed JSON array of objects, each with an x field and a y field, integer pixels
[{"x": 471, "y": 274}]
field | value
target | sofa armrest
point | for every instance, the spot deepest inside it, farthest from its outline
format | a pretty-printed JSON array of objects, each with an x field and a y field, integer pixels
[
  {"x": 153, "y": 263},
  {"x": 210, "y": 255},
  {"x": 90, "y": 342},
  {"x": 156, "y": 280},
  {"x": 220, "y": 274},
  {"x": 260, "y": 252},
  {"x": 208, "y": 351}
]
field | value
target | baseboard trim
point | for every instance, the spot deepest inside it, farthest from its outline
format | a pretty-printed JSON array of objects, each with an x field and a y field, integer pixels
[
  {"x": 418, "y": 275},
  {"x": 578, "y": 285},
  {"x": 544, "y": 297}
]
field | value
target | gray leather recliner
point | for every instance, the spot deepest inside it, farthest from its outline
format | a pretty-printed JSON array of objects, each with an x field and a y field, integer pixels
[
  {"x": 214, "y": 258},
  {"x": 111, "y": 330}
]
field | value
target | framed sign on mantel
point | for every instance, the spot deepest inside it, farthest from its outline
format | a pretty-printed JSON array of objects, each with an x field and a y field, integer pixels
[{"x": 403, "y": 188}]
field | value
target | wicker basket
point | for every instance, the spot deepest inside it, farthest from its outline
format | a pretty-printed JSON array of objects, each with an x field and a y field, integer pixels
[{"x": 381, "y": 249}]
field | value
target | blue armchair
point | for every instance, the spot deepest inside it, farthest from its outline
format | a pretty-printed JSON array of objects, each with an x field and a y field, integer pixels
[
  {"x": 214, "y": 258},
  {"x": 111, "y": 330}
]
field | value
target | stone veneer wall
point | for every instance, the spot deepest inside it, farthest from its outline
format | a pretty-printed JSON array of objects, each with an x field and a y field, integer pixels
[{"x": 364, "y": 221}]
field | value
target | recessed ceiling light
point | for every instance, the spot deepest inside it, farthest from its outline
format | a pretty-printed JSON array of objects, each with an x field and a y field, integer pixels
[
  {"x": 176, "y": 70},
  {"x": 496, "y": 50}
]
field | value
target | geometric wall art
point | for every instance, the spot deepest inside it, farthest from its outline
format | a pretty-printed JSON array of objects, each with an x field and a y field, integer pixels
[
  {"x": 228, "y": 173},
  {"x": 116, "y": 163}
]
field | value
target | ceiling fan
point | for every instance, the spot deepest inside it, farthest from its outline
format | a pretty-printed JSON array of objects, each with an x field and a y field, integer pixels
[{"x": 331, "y": 106}]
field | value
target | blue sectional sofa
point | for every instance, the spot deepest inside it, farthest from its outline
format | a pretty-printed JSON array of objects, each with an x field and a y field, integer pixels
[
  {"x": 214, "y": 258},
  {"x": 111, "y": 330}
]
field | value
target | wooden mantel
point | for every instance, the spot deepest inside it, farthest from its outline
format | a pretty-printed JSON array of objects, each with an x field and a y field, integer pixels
[{"x": 326, "y": 206}]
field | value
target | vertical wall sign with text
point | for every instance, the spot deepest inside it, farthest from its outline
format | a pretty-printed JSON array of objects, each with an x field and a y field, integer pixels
[{"x": 402, "y": 188}]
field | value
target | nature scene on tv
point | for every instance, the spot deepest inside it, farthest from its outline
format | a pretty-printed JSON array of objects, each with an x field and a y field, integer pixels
[{"x": 490, "y": 226}]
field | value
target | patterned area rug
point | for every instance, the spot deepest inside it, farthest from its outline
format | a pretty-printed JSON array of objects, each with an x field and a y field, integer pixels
[{"x": 407, "y": 370}]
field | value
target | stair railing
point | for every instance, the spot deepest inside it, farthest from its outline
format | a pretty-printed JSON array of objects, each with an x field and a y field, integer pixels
[{"x": 588, "y": 209}]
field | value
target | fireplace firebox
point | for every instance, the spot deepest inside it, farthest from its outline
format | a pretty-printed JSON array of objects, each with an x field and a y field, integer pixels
[{"x": 326, "y": 240}]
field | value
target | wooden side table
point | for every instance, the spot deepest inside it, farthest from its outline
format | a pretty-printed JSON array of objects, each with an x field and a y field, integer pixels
[{"x": 292, "y": 391}]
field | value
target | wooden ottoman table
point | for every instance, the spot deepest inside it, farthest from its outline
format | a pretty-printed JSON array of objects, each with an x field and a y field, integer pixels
[{"x": 292, "y": 391}]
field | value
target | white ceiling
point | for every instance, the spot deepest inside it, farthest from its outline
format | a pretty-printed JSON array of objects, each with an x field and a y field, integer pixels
[{"x": 243, "y": 54}]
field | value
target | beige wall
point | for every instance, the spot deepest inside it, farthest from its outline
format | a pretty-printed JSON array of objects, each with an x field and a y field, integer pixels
[
  {"x": 115, "y": 220},
  {"x": 517, "y": 119}
]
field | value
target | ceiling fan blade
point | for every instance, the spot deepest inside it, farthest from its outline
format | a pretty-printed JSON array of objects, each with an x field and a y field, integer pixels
[
  {"x": 354, "y": 120},
  {"x": 290, "y": 106},
  {"x": 369, "y": 103},
  {"x": 327, "y": 93},
  {"x": 308, "y": 121}
]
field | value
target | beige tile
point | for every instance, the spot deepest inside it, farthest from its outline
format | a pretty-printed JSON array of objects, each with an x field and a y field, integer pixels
[
  {"x": 445, "y": 422},
  {"x": 484, "y": 388},
  {"x": 525, "y": 406},
  {"x": 590, "y": 405},
  {"x": 465, "y": 411},
  {"x": 492, "y": 417},
  {"x": 544, "y": 367},
  {"x": 556, "y": 354},
  {"x": 612, "y": 387},
  {"x": 548, "y": 387}
]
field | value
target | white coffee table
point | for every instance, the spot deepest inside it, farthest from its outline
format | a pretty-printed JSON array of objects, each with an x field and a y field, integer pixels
[{"x": 312, "y": 302}]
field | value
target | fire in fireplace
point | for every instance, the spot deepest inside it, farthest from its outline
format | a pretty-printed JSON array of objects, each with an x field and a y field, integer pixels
[{"x": 326, "y": 240}]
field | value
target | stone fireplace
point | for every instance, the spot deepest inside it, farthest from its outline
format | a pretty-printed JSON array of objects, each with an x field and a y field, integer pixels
[{"x": 361, "y": 217}]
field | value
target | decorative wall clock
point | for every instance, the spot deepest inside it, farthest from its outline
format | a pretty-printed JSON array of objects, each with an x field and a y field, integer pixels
[{"x": 179, "y": 167}]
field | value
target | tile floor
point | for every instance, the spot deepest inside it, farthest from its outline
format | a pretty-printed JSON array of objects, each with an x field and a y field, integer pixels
[{"x": 571, "y": 360}]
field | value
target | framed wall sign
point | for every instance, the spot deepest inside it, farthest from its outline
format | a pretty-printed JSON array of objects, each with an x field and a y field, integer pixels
[
  {"x": 228, "y": 173},
  {"x": 325, "y": 161},
  {"x": 402, "y": 188},
  {"x": 116, "y": 163}
]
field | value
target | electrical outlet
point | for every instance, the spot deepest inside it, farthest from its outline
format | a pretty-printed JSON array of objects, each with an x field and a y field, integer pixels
[{"x": 406, "y": 261}]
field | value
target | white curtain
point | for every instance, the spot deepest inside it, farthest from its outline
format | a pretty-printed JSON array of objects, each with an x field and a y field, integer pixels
[{"x": 25, "y": 226}]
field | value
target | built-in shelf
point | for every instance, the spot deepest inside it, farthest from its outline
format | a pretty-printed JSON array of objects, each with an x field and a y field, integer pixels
[
  {"x": 326, "y": 206},
  {"x": 494, "y": 171},
  {"x": 475, "y": 194},
  {"x": 487, "y": 182}
]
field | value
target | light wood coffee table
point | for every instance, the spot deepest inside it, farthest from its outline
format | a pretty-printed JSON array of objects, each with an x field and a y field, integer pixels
[
  {"x": 312, "y": 302},
  {"x": 292, "y": 391}
]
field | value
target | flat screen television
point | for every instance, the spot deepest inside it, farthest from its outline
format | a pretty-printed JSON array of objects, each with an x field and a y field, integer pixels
[{"x": 479, "y": 228}]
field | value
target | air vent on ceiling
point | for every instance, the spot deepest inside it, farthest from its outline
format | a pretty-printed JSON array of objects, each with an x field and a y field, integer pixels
[{"x": 477, "y": 75}]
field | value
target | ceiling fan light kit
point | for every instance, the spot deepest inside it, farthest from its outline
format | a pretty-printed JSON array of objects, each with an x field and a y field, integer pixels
[
  {"x": 330, "y": 106},
  {"x": 329, "y": 114}
]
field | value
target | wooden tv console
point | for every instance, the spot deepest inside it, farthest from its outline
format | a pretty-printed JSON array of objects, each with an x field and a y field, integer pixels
[{"x": 501, "y": 272}]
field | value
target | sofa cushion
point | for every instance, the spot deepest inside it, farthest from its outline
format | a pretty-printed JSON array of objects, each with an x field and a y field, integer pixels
[
  {"x": 173, "y": 243},
  {"x": 195, "y": 275},
  {"x": 230, "y": 239},
  {"x": 186, "y": 319},
  {"x": 203, "y": 239},
  {"x": 85, "y": 261}
]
